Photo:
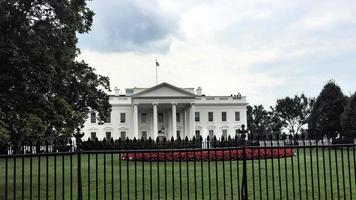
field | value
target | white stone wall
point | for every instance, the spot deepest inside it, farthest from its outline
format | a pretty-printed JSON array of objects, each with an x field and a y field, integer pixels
[
  {"x": 218, "y": 125},
  {"x": 115, "y": 127}
]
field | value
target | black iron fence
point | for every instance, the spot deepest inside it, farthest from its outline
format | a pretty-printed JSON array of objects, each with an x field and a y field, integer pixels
[{"x": 269, "y": 170}]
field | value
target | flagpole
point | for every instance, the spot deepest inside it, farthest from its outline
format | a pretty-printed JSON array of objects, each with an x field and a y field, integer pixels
[
  {"x": 156, "y": 76},
  {"x": 157, "y": 72}
]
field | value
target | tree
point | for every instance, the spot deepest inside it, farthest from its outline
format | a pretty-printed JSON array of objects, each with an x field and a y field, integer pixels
[
  {"x": 293, "y": 112},
  {"x": 44, "y": 90},
  {"x": 325, "y": 116},
  {"x": 348, "y": 120},
  {"x": 261, "y": 122}
]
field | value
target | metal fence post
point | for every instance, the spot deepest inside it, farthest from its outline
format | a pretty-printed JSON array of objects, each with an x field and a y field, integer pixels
[
  {"x": 244, "y": 175},
  {"x": 79, "y": 171},
  {"x": 244, "y": 192}
]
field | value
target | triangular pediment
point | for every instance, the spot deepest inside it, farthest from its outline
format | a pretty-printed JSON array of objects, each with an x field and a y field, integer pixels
[{"x": 164, "y": 90}]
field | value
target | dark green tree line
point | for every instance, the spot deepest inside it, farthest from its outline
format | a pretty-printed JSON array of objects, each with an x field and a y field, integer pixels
[
  {"x": 348, "y": 120},
  {"x": 262, "y": 123}
]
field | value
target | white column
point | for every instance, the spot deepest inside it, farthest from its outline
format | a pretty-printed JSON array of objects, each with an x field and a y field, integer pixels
[
  {"x": 192, "y": 120},
  {"x": 174, "y": 120},
  {"x": 186, "y": 124},
  {"x": 155, "y": 122},
  {"x": 135, "y": 120},
  {"x": 169, "y": 126}
]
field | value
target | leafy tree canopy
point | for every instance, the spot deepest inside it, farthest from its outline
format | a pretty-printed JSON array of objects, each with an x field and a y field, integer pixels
[
  {"x": 325, "y": 116},
  {"x": 348, "y": 119},
  {"x": 44, "y": 90},
  {"x": 293, "y": 112}
]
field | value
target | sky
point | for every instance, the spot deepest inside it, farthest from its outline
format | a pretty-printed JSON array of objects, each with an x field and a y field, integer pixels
[{"x": 263, "y": 49}]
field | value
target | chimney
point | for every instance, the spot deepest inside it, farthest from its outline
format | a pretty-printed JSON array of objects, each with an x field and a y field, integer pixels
[
  {"x": 199, "y": 91},
  {"x": 117, "y": 91},
  {"x": 238, "y": 96}
]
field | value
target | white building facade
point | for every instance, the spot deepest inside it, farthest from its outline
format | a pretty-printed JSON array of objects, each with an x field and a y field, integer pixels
[{"x": 168, "y": 111}]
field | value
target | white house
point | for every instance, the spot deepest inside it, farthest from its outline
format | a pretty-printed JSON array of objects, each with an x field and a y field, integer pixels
[{"x": 168, "y": 111}]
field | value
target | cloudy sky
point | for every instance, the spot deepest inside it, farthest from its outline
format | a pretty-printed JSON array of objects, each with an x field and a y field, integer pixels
[{"x": 264, "y": 49}]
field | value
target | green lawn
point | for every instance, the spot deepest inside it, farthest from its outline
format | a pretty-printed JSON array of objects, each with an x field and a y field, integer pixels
[{"x": 278, "y": 178}]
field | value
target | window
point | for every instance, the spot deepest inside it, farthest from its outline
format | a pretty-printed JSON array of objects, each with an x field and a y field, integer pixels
[
  {"x": 108, "y": 119},
  {"x": 237, "y": 116},
  {"x": 108, "y": 135},
  {"x": 197, "y": 134},
  {"x": 144, "y": 135},
  {"x": 178, "y": 117},
  {"x": 93, "y": 117},
  {"x": 178, "y": 134},
  {"x": 211, "y": 134},
  {"x": 197, "y": 116},
  {"x": 129, "y": 91},
  {"x": 92, "y": 135},
  {"x": 123, "y": 135},
  {"x": 160, "y": 117},
  {"x": 210, "y": 116},
  {"x": 224, "y": 134},
  {"x": 143, "y": 117},
  {"x": 122, "y": 117},
  {"x": 223, "y": 116}
]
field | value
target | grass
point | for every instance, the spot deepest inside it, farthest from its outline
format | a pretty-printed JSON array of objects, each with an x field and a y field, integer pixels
[{"x": 272, "y": 178}]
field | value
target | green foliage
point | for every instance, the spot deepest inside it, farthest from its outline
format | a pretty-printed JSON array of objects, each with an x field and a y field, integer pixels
[
  {"x": 44, "y": 90},
  {"x": 4, "y": 134},
  {"x": 262, "y": 123},
  {"x": 325, "y": 116},
  {"x": 293, "y": 112},
  {"x": 348, "y": 119}
]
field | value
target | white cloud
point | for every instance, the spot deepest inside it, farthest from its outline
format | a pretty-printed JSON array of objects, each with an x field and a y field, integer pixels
[
  {"x": 130, "y": 25},
  {"x": 320, "y": 20},
  {"x": 263, "y": 49}
]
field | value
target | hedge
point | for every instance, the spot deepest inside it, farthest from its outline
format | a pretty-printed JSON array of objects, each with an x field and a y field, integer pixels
[{"x": 210, "y": 155}]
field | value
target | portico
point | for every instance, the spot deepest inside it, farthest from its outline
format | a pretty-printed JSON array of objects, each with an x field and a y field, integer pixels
[
  {"x": 163, "y": 120},
  {"x": 159, "y": 107}
]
